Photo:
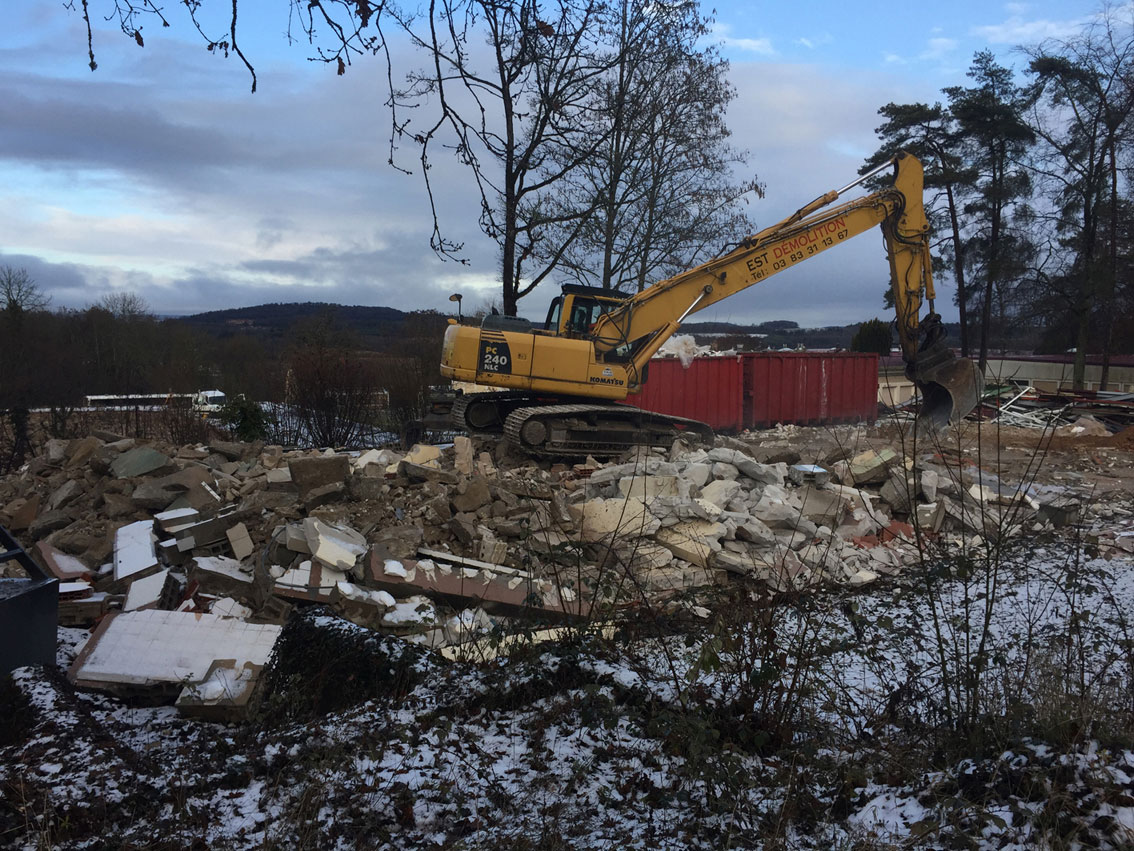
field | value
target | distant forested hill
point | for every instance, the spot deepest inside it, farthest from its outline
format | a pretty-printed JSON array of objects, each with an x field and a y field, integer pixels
[
  {"x": 381, "y": 328},
  {"x": 376, "y": 327}
]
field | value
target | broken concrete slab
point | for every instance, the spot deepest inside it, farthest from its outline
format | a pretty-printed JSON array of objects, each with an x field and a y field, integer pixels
[
  {"x": 134, "y": 555},
  {"x": 470, "y": 495},
  {"x": 222, "y": 576},
  {"x": 821, "y": 506},
  {"x": 469, "y": 582},
  {"x": 463, "y": 459},
  {"x": 295, "y": 540},
  {"x": 65, "y": 494},
  {"x": 313, "y": 472},
  {"x": 152, "y": 648},
  {"x": 310, "y": 581},
  {"x": 424, "y": 455},
  {"x": 426, "y": 473},
  {"x": 694, "y": 541},
  {"x": 225, "y": 693},
  {"x": 649, "y": 487},
  {"x": 234, "y": 451},
  {"x": 764, "y": 474},
  {"x": 59, "y": 564},
  {"x": 335, "y": 546},
  {"x": 720, "y": 492},
  {"x": 871, "y": 467},
  {"x": 599, "y": 519},
  {"x": 202, "y": 534},
  {"x": 240, "y": 541},
  {"x": 147, "y": 592},
  {"x": 48, "y": 522},
  {"x": 79, "y": 451},
  {"x": 324, "y": 495},
  {"x": 170, "y": 521},
  {"x": 752, "y": 529},
  {"x": 140, "y": 461},
  {"x": 779, "y": 515},
  {"x": 22, "y": 513},
  {"x": 194, "y": 485},
  {"x": 398, "y": 542}
]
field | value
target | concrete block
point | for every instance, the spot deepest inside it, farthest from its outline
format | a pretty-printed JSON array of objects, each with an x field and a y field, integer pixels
[
  {"x": 720, "y": 492},
  {"x": 470, "y": 495},
  {"x": 872, "y": 467},
  {"x": 315, "y": 472},
  {"x": 335, "y": 546},
  {"x": 629, "y": 517},
  {"x": 138, "y": 462},
  {"x": 648, "y": 487},
  {"x": 463, "y": 456},
  {"x": 424, "y": 455},
  {"x": 694, "y": 540},
  {"x": 240, "y": 541}
]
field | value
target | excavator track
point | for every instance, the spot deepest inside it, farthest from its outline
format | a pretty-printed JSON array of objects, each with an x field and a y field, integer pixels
[
  {"x": 553, "y": 431},
  {"x": 484, "y": 413}
]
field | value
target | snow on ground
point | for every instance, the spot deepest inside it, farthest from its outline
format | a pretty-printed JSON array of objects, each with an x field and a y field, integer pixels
[{"x": 651, "y": 743}]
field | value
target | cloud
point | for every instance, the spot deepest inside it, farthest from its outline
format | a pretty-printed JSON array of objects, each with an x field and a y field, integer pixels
[
  {"x": 815, "y": 41},
  {"x": 938, "y": 48},
  {"x": 1020, "y": 30},
  {"x": 760, "y": 46},
  {"x": 161, "y": 175}
]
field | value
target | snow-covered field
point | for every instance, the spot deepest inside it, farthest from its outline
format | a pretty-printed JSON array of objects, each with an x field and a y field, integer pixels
[{"x": 971, "y": 704}]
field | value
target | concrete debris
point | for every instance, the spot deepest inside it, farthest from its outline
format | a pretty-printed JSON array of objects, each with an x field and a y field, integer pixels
[
  {"x": 443, "y": 543},
  {"x": 224, "y": 694},
  {"x": 147, "y": 592},
  {"x": 154, "y": 649},
  {"x": 134, "y": 555},
  {"x": 871, "y": 467},
  {"x": 311, "y": 473},
  {"x": 139, "y": 461}
]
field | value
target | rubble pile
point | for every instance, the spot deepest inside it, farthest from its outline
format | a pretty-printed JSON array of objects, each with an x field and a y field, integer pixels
[{"x": 441, "y": 544}]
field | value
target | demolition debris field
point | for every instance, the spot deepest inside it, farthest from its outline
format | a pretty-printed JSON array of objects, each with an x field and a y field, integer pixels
[{"x": 794, "y": 638}]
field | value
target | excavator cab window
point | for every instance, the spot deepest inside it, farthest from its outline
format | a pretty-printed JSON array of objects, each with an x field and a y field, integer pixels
[
  {"x": 583, "y": 313},
  {"x": 552, "y": 323}
]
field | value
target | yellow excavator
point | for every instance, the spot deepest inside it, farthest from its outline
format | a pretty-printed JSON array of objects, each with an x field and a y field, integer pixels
[{"x": 561, "y": 384}]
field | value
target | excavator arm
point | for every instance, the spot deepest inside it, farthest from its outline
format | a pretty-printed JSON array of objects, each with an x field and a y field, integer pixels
[{"x": 950, "y": 386}]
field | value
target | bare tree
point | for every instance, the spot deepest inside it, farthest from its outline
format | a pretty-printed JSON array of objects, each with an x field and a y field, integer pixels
[
  {"x": 20, "y": 299},
  {"x": 125, "y": 305},
  {"x": 509, "y": 84},
  {"x": 509, "y": 90},
  {"x": 660, "y": 184},
  {"x": 19, "y": 293},
  {"x": 331, "y": 388}
]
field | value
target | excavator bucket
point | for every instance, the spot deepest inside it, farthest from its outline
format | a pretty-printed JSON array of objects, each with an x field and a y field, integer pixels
[{"x": 950, "y": 387}]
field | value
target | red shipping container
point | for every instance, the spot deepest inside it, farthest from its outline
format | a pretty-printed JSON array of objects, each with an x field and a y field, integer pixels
[
  {"x": 710, "y": 390},
  {"x": 809, "y": 388},
  {"x": 760, "y": 389}
]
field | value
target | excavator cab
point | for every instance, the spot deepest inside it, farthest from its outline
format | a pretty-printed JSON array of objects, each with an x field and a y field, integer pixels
[{"x": 575, "y": 312}]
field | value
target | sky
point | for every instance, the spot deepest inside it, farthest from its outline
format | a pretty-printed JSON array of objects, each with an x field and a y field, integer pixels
[{"x": 162, "y": 175}]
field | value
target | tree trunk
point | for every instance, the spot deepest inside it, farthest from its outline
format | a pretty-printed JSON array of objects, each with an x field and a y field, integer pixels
[
  {"x": 1111, "y": 272},
  {"x": 959, "y": 270}
]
